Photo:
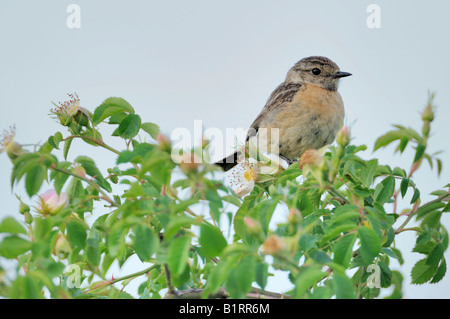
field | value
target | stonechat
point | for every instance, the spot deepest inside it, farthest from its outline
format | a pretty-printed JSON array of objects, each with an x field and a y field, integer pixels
[{"x": 306, "y": 108}]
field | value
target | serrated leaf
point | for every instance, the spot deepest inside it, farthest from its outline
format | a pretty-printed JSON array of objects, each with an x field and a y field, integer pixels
[
  {"x": 367, "y": 174},
  {"x": 125, "y": 157},
  {"x": 178, "y": 254},
  {"x": 35, "y": 178},
  {"x": 440, "y": 272},
  {"x": 261, "y": 274},
  {"x": 421, "y": 272},
  {"x": 109, "y": 107},
  {"x": 306, "y": 278},
  {"x": 385, "y": 275},
  {"x": 151, "y": 128},
  {"x": 404, "y": 186},
  {"x": 146, "y": 243},
  {"x": 370, "y": 244},
  {"x": 420, "y": 150},
  {"x": 211, "y": 240},
  {"x": 427, "y": 208},
  {"x": 385, "y": 190},
  {"x": 343, "y": 250},
  {"x": 130, "y": 126},
  {"x": 435, "y": 255},
  {"x": 415, "y": 196},
  {"x": 398, "y": 255},
  {"x": 91, "y": 169},
  {"x": 14, "y": 246},
  {"x": 12, "y": 226},
  {"x": 240, "y": 277},
  {"x": 76, "y": 233},
  {"x": 389, "y": 137},
  {"x": 66, "y": 148},
  {"x": 343, "y": 287}
]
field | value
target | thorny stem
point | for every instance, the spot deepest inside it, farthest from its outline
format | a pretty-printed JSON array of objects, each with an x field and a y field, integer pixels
[
  {"x": 113, "y": 281},
  {"x": 416, "y": 208},
  {"x": 98, "y": 142},
  {"x": 105, "y": 196}
]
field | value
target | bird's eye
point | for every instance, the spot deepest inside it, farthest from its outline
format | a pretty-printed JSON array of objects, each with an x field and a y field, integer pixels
[{"x": 315, "y": 71}]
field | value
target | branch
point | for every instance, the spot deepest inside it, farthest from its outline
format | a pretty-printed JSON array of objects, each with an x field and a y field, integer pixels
[{"x": 255, "y": 293}]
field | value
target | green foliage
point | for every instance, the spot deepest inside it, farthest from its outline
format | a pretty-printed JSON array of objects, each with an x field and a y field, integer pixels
[{"x": 190, "y": 230}]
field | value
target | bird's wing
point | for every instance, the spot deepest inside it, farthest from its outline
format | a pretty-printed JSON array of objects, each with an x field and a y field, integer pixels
[{"x": 283, "y": 93}]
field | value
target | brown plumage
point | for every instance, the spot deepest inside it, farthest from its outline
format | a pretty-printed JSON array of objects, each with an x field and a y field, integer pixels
[{"x": 306, "y": 108}]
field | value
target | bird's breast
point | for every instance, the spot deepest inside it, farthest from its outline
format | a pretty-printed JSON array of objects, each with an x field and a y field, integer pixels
[{"x": 310, "y": 121}]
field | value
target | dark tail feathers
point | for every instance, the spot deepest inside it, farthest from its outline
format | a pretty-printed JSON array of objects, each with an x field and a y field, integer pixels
[{"x": 228, "y": 162}]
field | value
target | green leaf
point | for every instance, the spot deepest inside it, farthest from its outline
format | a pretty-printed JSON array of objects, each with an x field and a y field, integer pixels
[
  {"x": 404, "y": 186},
  {"x": 67, "y": 144},
  {"x": 34, "y": 179},
  {"x": 178, "y": 254},
  {"x": 401, "y": 133},
  {"x": 420, "y": 150},
  {"x": 129, "y": 127},
  {"x": 427, "y": 208},
  {"x": 343, "y": 250},
  {"x": 145, "y": 242},
  {"x": 14, "y": 246},
  {"x": 343, "y": 287},
  {"x": 421, "y": 272},
  {"x": 261, "y": 274},
  {"x": 91, "y": 169},
  {"x": 385, "y": 275},
  {"x": 367, "y": 173},
  {"x": 398, "y": 255},
  {"x": 240, "y": 278},
  {"x": 415, "y": 196},
  {"x": 109, "y": 107},
  {"x": 211, "y": 240},
  {"x": 76, "y": 233},
  {"x": 435, "y": 255},
  {"x": 307, "y": 278},
  {"x": 446, "y": 209},
  {"x": 125, "y": 156},
  {"x": 385, "y": 190},
  {"x": 10, "y": 225},
  {"x": 150, "y": 128},
  {"x": 370, "y": 244},
  {"x": 93, "y": 252},
  {"x": 440, "y": 272}
]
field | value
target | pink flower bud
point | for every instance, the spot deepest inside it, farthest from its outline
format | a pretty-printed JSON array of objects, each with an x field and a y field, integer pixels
[{"x": 51, "y": 204}]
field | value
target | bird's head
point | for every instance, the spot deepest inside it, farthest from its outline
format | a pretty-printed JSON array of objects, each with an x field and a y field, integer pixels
[{"x": 316, "y": 70}]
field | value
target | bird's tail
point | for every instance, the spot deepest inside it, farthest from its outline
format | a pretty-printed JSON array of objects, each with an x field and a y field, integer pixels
[{"x": 229, "y": 162}]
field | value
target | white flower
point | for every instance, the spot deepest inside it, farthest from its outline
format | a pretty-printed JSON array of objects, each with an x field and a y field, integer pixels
[
  {"x": 7, "y": 143},
  {"x": 244, "y": 176}
]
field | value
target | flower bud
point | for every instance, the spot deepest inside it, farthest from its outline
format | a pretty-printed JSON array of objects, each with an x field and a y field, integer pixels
[
  {"x": 343, "y": 136},
  {"x": 23, "y": 208},
  {"x": 294, "y": 216},
  {"x": 62, "y": 246},
  {"x": 274, "y": 245},
  {"x": 189, "y": 163},
  {"x": 311, "y": 158},
  {"x": 51, "y": 204},
  {"x": 164, "y": 142},
  {"x": 28, "y": 218},
  {"x": 253, "y": 226},
  {"x": 428, "y": 113}
]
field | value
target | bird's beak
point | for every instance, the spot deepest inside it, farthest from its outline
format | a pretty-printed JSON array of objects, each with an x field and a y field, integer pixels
[{"x": 341, "y": 75}]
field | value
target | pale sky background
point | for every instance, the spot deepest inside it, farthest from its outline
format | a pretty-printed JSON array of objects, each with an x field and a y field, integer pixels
[{"x": 218, "y": 61}]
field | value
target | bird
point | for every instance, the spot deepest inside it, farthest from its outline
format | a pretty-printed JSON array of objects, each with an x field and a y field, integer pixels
[{"x": 306, "y": 108}]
